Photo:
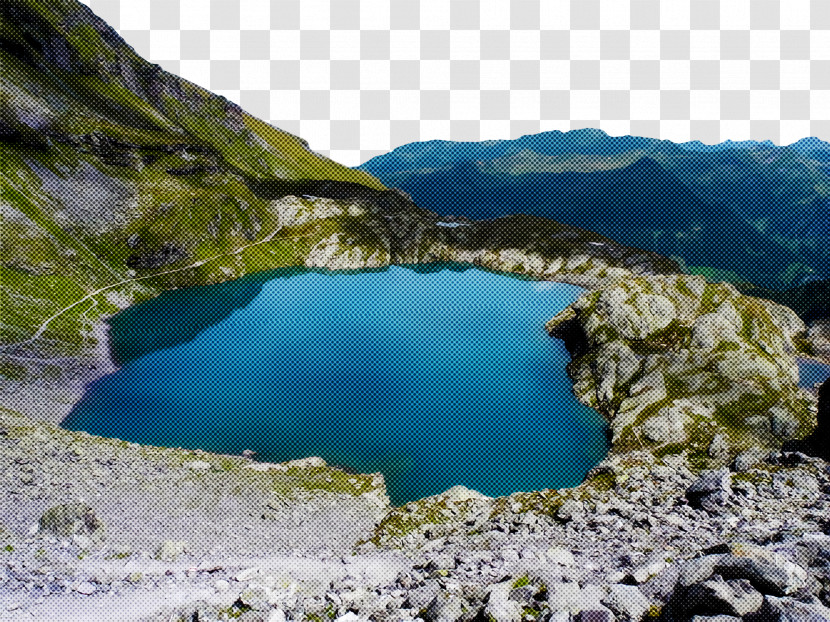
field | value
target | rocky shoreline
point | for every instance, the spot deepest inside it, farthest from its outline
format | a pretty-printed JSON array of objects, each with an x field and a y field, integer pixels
[
  {"x": 393, "y": 231},
  {"x": 163, "y": 534}
]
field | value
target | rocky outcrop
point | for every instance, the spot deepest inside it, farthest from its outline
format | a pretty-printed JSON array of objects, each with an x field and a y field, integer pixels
[
  {"x": 819, "y": 338},
  {"x": 812, "y": 303},
  {"x": 678, "y": 364},
  {"x": 380, "y": 232}
]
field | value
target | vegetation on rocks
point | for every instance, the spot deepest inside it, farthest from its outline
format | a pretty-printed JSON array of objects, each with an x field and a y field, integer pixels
[{"x": 673, "y": 361}]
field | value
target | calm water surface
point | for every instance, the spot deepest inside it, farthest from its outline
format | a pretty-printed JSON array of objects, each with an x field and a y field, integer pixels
[
  {"x": 811, "y": 373},
  {"x": 434, "y": 376}
]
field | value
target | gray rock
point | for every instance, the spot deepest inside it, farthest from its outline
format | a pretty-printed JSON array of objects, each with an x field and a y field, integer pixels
[
  {"x": 441, "y": 561},
  {"x": 565, "y": 596},
  {"x": 626, "y": 600},
  {"x": 559, "y": 555},
  {"x": 715, "y": 596},
  {"x": 782, "y": 423},
  {"x": 85, "y": 587},
  {"x": 710, "y": 490},
  {"x": 710, "y": 481},
  {"x": 796, "y": 481},
  {"x": 789, "y": 609},
  {"x": 523, "y": 595},
  {"x": 661, "y": 585},
  {"x": 748, "y": 459},
  {"x": 668, "y": 426},
  {"x": 644, "y": 572},
  {"x": 445, "y": 607},
  {"x": 718, "y": 448},
  {"x": 499, "y": 605},
  {"x": 256, "y": 598},
  {"x": 769, "y": 572},
  {"x": 715, "y": 502},
  {"x": 759, "y": 423},
  {"x": 721, "y": 618},
  {"x": 710, "y": 329},
  {"x": 616, "y": 364},
  {"x": 697, "y": 570},
  {"x": 570, "y": 509},
  {"x": 420, "y": 597},
  {"x": 594, "y": 615},
  {"x": 592, "y": 597}
]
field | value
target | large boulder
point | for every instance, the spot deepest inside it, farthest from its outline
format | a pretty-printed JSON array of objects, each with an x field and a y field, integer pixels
[
  {"x": 499, "y": 604},
  {"x": 716, "y": 596},
  {"x": 790, "y": 610},
  {"x": 712, "y": 488},
  {"x": 445, "y": 607},
  {"x": 818, "y": 443},
  {"x": 740, "y": 579}
]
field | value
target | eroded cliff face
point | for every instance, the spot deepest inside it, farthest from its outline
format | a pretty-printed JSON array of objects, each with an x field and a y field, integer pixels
[{"x": 679, "y": 365}]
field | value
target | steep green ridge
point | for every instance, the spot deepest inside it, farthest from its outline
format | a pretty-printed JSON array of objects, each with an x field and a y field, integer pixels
[
  {"x": 120, "y": 180},
  {"x": 67, "y": 76}
]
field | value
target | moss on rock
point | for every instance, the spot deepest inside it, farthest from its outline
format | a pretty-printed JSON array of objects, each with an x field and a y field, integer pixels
[{"x": 703, "y": 359}]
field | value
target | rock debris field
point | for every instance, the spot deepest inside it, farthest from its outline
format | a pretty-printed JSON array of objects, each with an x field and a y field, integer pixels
[{"x": 101, "y": 529}]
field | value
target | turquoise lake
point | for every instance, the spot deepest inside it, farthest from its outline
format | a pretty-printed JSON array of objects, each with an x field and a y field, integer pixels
[{"x": 434, "y": 376}]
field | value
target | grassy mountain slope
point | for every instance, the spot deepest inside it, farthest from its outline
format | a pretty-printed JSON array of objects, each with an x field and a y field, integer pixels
[
  {"x": 119, "y": 181},
  {"x": 67, "y": 74}
]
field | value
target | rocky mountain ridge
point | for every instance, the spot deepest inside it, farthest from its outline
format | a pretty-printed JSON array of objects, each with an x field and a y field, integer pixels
[
  {"x": 675, "y": 199},
  {"x": 678, "y": 364}
]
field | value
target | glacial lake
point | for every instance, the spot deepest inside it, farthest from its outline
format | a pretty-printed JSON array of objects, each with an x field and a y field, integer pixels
[{"x": 434, "y": 376}]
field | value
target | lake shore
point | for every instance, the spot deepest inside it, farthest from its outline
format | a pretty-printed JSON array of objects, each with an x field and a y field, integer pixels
[{"x": 190, "y": 535}]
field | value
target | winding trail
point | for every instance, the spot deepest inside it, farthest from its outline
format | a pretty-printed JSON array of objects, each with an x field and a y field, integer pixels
[{"x": 91, "y": 295}]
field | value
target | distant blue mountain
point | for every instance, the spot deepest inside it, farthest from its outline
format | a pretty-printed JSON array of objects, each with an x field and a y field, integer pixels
[
  {"x": 586, "y": 141},
  {"x": 746, "y": 211}
]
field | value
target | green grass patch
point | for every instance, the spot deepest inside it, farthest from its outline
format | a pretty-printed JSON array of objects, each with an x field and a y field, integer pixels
[
  {"x": 754, "y": 478},
  {"x": 602, "y": 482},
  {"x": 803, "y": 345},
  {"x": 727, "y": 346},
  {"x": 675, "y": 336},
  {"x": 669, "y": 450},
  {"x": 399, "y": 522},
  {"x": 12, "y": 371}
]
